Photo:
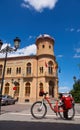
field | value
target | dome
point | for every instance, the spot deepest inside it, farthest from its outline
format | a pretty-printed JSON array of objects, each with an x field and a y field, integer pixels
[{"x": 44, "y": 37}]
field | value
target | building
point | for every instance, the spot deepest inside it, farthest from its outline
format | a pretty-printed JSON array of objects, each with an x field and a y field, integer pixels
[{"x": 26, "y": 76}]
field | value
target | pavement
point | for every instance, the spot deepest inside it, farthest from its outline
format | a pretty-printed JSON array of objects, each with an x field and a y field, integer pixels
[{"x": 25, "y": 115}]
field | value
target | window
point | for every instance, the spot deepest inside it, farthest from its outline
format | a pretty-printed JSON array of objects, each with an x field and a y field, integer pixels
[
  {"x": 17, "y": 91},
  {"x": 41, "y": 69},
  {"x": 49, "y": 46},
  {"x": 7, "y": 84},
  {"x": 6, "y": 91},
  {"x": 27, "y": 89},
  {"x": 51, "y": 88},
  {"x": 41, "y": 89},
  {"x": 8, "y": 70},
  {"x": 43, "y": 46},
  {"x": 28, "y": 69},
  {"x": 18, "y": 70},
  {"x": 50, "y": 67},
  {"x": 1, "y": 70}
]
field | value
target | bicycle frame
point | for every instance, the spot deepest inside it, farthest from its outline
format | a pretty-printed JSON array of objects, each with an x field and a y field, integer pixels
[{"x": 54, "y": 108}]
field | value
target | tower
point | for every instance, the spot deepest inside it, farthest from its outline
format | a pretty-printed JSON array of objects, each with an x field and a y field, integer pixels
[
  {"x": 45, "y": 45},
  {"x": 47, "y": 65}
]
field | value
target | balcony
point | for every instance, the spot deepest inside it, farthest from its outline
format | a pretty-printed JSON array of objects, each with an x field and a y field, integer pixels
[
  {"x": 28, "y": 75},
  {"x": 53, "y": 74},
  {"x": 46, "y": 74}
]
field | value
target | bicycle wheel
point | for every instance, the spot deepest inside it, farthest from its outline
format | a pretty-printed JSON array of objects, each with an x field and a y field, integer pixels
[
  {"x": 38, "y": 110},
  {"x": 67, "y": 114}
]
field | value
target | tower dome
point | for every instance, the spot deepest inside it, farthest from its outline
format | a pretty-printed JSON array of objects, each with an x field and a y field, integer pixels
[{"x": 45, "y": 45}]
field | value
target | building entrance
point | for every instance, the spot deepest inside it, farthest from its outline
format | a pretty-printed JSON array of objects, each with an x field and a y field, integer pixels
[{"x": 51, "y": 88}]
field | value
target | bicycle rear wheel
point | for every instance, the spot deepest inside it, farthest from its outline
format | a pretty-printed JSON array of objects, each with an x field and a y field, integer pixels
[
  {"x": 67, "y": 114},
  {"x": 38, "y": 110}
]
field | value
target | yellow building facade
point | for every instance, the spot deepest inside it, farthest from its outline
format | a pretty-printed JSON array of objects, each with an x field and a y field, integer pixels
[{"x": 26, "y": 76}]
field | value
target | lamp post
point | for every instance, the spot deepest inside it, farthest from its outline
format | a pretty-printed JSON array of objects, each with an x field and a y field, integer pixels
[{"x": 6, "y": 50}]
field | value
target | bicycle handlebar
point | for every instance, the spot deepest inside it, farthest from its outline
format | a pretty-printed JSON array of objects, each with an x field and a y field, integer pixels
[
  {"x": 45, "y": 93},
  {"x": 55, "y": 99}
]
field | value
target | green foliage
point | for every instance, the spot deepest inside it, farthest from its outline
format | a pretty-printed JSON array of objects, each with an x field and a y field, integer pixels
[{"x": 76, "y": 91}]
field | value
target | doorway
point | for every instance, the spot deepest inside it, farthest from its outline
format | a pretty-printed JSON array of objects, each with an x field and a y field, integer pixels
[{"x": 51, "y": 88}]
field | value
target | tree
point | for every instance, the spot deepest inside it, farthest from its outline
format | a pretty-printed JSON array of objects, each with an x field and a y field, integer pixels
[{"x": 76, "y": 90}]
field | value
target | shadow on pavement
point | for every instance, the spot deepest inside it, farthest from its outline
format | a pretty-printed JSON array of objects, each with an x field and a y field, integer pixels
[{"x": 17, "y": 125}]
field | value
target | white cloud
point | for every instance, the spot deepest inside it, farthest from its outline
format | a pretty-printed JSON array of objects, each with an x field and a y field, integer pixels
[
  {"x": 29, "y": 50},
  {"x": 72, "y": 29},
  {"x": 78, "y": 30},
  {"x": 78, "y": 50},
  {"x": 77, "y": 53},
  {"x": 4, "y": 45},
  {"x": 64, "y": 89},
  {"x": 77, "y": 56},
  {"x": 39, "y": 5},
  {"x": 59, "y": 56},
  {"x": 31, "y": 37}
]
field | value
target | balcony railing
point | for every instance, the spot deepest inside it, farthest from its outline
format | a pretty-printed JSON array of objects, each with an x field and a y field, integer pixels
[
  {"x": 53, "y": 74},
  {"x": 46, "y": 74},
  {"x": 28, "y": 75}
]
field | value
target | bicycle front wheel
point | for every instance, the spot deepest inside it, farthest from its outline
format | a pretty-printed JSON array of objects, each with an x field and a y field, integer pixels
[
  {"x": 38, "y": 110},
  {"x": 67, "y": 114}
]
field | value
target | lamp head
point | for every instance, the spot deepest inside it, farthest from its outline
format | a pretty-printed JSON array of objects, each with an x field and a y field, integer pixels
[
  {"x": 1, "y": 43},
  {"x": 17, "y": 42}
]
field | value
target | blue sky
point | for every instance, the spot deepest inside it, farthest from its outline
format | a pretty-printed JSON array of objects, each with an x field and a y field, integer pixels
[{"x": 27, "y": 19}]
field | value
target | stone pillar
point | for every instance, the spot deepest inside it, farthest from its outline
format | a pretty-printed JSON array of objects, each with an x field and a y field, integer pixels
[
  {"x": 56, "y": 89},
  {"x": 11, "y": 91}
]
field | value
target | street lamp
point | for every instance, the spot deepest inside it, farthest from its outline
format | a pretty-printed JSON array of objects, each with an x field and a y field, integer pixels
[
  {"x": 6, "y": 50},
  {"x": 1, "y": 43}
]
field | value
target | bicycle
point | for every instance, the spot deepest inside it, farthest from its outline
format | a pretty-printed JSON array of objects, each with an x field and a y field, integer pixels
[{"x": 39, "y": 109}]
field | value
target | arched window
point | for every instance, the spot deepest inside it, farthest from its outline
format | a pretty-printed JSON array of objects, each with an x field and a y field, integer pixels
[
  {"x": 27, "y": 89},
  {"x": 28, "y": 68},
  {"x": 41, "y": 85},
  {"x": 6, "y": 90},
  {"x": 50, "y": 67},
  {"x": 17, "y": 91},
  {"x": 1, "y": 70},
  {"x": 41, "y": 89},
  {"x": 51, "y": 88}
]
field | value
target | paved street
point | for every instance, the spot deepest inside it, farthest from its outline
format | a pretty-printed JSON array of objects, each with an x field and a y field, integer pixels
[
  {"x": 18, "y": 116},
  {"x": 21, "y": 112}
]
